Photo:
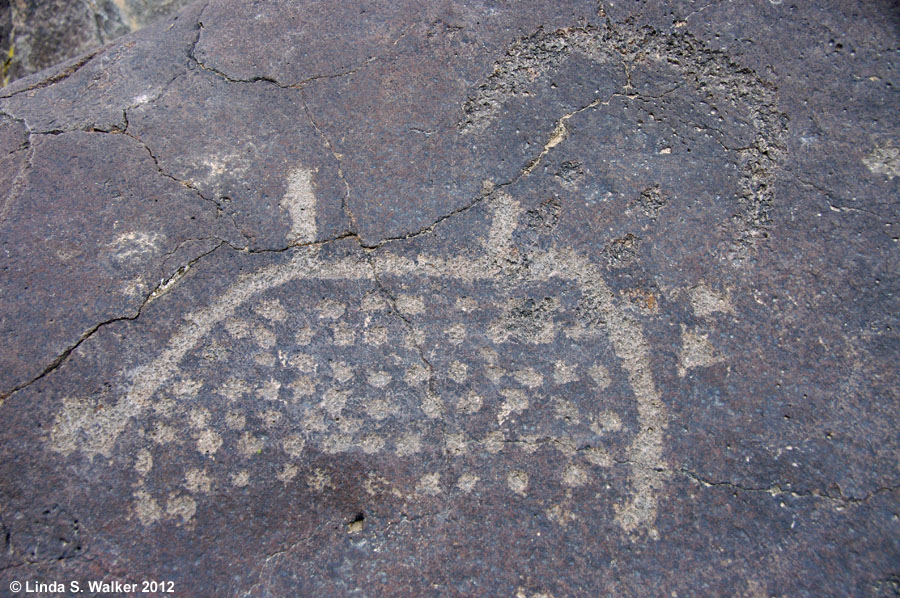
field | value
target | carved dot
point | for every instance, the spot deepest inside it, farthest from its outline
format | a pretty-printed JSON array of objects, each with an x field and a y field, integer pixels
[{"x": 517, "y": 482}]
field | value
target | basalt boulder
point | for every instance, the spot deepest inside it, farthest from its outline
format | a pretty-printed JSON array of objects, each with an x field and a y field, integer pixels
[
  {"x": 462, "y": 298},
  {"x": 37, "y": 34}
]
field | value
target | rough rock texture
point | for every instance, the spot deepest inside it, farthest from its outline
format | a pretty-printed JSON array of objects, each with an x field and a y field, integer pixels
[
  {"x": 466, "y": 298},
  {"x": 37, "y": 34}
]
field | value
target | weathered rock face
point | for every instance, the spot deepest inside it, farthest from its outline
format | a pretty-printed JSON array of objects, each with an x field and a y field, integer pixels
[
  {"x": 461, "y": 298},
  {"x": 37, "y": 34}
]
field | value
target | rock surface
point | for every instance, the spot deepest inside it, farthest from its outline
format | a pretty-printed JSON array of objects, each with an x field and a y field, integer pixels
[
  {"x": 37, "y": 34},
  {"x": 458, "y": 298}
]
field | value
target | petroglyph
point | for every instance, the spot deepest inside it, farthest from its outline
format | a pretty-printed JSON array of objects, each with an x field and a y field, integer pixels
[
  {"x": 299, "y": 202},
  {"x": 696, "y": 351},
  {"x": 330, "y": 397},
  {"x": 135, "y": 246},
  {"x": 706, "y": 301},
  {"x": 467, "y": 482},
  {"x": 363, "y": 370},
  {"x": 884, "y": 160},
  {"x": 506, "y": 216},
  {"x": 531, "y": 59},
  {"x": 518, "y": 482}
]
